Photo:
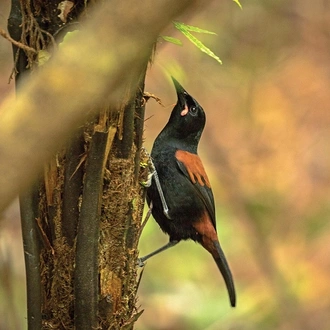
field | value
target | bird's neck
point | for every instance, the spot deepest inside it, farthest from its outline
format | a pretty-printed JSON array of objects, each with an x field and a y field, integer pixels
[{"x": 188, "y": 143}]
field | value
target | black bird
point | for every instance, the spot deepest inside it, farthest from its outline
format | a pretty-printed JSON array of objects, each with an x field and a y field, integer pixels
[{"x": 181, "y": 185}]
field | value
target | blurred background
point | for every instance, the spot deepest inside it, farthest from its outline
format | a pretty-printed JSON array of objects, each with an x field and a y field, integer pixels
[{"x": 267, "y": 152}]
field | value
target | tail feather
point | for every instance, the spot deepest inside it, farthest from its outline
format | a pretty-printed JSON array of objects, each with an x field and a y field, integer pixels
[{"x": 223, "y": 266}]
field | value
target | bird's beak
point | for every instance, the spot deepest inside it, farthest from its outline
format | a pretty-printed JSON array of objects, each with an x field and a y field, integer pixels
[
  {"x": 179, "y": 89},
  {"x": 181, "y": 92}
]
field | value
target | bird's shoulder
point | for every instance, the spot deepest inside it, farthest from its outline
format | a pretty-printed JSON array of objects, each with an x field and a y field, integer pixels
[{"x": 192, "y": 166}]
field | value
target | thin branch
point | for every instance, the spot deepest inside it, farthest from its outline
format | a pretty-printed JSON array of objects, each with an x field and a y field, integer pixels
[{"x": 18, "y": 44}]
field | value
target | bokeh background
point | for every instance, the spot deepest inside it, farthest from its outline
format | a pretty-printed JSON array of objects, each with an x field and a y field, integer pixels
[{"x": 266, "y": 149}]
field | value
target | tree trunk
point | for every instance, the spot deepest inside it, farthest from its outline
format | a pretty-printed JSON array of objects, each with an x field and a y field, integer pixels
[{"x": 81, "y": 221}]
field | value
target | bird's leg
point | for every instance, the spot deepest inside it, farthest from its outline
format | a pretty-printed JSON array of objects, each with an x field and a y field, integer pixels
[
  {"x": 163, "y": 248},
  {"x": 145, "y": 219},
  {"x": 161, "y": 195},
  {"x": 153, "y": 174}
]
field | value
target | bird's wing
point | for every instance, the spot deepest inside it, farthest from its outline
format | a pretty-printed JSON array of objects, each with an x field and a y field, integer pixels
[{"x": 191, "y": 166}]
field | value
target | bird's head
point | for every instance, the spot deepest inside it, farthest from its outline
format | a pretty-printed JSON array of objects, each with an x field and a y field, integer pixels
[{"x": 187, "y": 119}]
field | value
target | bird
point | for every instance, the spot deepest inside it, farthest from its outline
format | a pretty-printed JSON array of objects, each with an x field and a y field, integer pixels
[{"x": 180, "y": 195}]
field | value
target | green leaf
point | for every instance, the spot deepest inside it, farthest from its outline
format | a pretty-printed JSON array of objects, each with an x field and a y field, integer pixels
[
  {"x": 184, "y": 29},
  {"x": 238, "y": 3},
  {"x": 172, "y": 40},
  {"x": 43, "y": 57},
  {"x": 68, "y": 36},
  {"x": 181, "y": 26}
]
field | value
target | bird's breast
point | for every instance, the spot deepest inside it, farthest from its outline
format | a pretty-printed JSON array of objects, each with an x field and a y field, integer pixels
[{"x": 183, "y": 202}]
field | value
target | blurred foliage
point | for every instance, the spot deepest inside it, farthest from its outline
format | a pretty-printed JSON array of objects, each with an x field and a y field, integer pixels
[{"x": 266, "y": 148}]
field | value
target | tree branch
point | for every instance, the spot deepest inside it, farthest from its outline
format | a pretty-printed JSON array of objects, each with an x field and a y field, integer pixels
[
  {"x": 31, "y": 241},
  {"x": 86, "y": 269}
]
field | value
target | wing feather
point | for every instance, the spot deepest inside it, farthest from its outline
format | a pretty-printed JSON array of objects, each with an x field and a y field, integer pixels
[{"x": 191, "y": 166}]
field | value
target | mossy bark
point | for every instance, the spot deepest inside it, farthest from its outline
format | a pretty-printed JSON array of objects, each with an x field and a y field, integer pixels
[
  {"x": 91, "y": 281},
  {"x": 85, "y": 211}
]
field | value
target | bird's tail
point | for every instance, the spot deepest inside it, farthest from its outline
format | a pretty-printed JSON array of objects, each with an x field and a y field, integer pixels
[{"x": 223, "y": 266}]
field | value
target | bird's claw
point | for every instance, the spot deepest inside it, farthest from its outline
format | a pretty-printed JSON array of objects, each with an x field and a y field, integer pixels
[
  {"x": 147, "y": 163},
  {"x": 147, "y": 183}
]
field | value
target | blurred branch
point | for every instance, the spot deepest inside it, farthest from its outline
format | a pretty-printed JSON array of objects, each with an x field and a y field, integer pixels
[{"x": 97, "y": 65}]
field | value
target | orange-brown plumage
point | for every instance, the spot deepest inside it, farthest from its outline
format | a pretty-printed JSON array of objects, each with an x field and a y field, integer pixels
[{"x": 194, "y": 167}]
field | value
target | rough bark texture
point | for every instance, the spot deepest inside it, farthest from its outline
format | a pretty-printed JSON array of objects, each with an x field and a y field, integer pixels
[
  {"x": 100, "y": 291},
  {"x": 81, "y": 222}
]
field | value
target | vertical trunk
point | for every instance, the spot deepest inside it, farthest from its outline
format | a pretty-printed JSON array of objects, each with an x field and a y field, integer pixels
[
  {"x": 81, "y": 222},
  {"x": 30, "y": 199}
]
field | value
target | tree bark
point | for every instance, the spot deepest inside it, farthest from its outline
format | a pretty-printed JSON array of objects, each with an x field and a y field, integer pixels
[{"x": 81, "y": 221}]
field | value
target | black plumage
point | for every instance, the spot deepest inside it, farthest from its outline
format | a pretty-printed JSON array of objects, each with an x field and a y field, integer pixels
[{"x": 185, "y": 185}]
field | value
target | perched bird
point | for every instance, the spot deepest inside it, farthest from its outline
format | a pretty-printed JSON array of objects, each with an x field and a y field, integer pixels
[{"x": 180, "y": 194}]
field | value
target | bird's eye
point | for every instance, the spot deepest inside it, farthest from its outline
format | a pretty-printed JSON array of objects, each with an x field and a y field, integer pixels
[{"x": 193, "y": 110}]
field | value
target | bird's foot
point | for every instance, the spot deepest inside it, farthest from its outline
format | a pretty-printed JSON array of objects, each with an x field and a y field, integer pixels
[
  {"x": 147, "y": 183},
  {"x": 146, "y": 163}
]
